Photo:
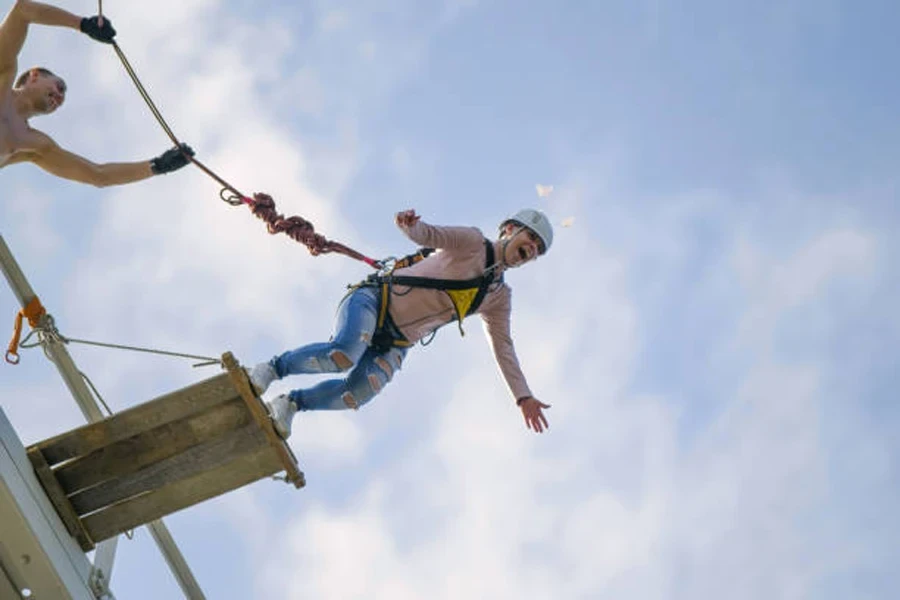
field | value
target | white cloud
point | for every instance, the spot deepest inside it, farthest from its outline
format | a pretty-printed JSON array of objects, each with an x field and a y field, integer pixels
[
  {"x": 800, "y": 278},
  {"x": 26, "y": 208},
  {"x": 334, "y": 20}
]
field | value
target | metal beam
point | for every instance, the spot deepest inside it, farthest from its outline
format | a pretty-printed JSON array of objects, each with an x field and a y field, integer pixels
[
  {"x": 73, "y": 379},
  {"x": 177, "y": 564},
  {"x": 36, "y": 551},
  {"x": 55, "y": 349},
  {"x": 101, "y": 573}
]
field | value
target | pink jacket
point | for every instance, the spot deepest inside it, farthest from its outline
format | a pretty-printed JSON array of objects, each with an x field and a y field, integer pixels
[{"x": 417, "y": 312}]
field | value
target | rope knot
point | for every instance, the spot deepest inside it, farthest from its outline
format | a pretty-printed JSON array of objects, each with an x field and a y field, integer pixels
[{"x": 296, "y": 227}]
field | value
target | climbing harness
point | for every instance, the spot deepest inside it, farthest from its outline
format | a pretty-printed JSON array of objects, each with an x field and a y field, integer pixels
[
  {"x": 466, "y": 295},
  {"x": 262, "y": 205}
]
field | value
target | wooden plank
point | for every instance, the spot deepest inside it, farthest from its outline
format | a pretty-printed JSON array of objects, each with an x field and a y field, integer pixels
[
  {"x": 56, "y": 495},
  {"x": 135, "y": 453},
  {"x": 194, "y": 461},
  {"x": 158, "y": 503},
  {"x": 242, "y": 384},
  {"x": 164, "y": 409}
]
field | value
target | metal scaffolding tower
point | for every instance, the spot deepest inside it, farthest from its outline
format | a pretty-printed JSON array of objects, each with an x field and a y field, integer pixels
[{"x": 56, "y": 351}]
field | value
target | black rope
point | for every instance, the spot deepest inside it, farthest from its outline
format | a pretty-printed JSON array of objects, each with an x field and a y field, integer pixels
[
  {"x": 228, "y": 193},
  {"x": 231, "y": 195}
]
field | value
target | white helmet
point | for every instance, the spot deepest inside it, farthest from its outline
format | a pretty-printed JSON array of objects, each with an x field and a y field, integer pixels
[{"x": 536, "y": 221}]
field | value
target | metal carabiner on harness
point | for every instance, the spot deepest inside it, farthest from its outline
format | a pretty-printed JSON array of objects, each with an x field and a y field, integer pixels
[{"x": 386, "y": 266}]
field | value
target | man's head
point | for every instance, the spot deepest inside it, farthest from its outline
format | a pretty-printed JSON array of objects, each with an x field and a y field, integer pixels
[
  {"x": 525, "y": 235},
  {"x": 43, "y": 88}
]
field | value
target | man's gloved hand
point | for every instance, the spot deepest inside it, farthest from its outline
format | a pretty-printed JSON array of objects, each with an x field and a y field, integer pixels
[
  {"x": 171, "y": 160},
  {"x": 99, "y": 28}
]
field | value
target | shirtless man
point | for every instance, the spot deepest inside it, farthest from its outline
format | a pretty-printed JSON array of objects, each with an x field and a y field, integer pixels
[{"x": 39, "y": 92}]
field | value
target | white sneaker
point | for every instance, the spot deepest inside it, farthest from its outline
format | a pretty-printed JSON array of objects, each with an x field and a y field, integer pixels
[
  {"x": 261, "y": 377},
  {"x": 282, "y": 411}
]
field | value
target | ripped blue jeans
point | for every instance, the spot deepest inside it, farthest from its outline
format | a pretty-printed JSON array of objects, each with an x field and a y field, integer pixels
[{"x": 369, "y": 370}]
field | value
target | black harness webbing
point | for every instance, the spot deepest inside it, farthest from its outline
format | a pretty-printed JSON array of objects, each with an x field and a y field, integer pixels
[{"x": 465, "y": 294}]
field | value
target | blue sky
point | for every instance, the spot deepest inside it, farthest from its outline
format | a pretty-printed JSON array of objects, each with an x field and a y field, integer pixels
[{"x": 716, "y": 330}]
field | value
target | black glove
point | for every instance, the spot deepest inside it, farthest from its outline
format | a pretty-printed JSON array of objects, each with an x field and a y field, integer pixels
[
  {"x": 105, "y": 34},
  {"x": 171, "y": 160}
]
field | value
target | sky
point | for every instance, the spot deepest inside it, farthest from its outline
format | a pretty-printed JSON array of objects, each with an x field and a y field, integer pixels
[{"x": 715, "y": 329}]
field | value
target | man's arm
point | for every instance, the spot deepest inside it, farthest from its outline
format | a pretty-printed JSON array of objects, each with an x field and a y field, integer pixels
[
  {"x": 14, "y": 29},
  {"x": 44, "y": 14},
  {"x": 62, "y": 163}
]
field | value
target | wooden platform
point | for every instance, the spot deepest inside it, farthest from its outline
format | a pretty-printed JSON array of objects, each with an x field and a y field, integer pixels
[{"x": 161, "y": 456}]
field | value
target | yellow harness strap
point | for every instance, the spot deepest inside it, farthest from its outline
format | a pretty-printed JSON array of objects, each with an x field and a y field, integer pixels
[{"x": 382, "y": 315}]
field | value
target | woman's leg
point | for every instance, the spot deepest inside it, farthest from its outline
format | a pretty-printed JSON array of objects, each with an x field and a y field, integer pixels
[
  {"x": 354, "y": 326},
  {"x": 373, "y": 371}
]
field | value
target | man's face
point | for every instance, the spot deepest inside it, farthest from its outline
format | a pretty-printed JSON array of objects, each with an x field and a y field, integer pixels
[
  {"x": 523, "y": 246},
  {"x": 49, "y": 92}
]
